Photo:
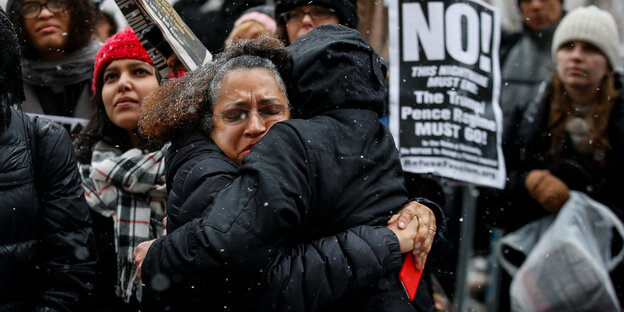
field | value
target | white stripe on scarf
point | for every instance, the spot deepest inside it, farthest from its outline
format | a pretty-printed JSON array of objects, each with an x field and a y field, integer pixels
[{"x": 130, "y": 188}]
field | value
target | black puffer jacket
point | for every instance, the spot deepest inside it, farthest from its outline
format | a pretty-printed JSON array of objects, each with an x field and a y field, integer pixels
[
  {"x": 47, "y": 249},
  {"x": 304, "y": 182},
  {"x": 196, "y": 170}
]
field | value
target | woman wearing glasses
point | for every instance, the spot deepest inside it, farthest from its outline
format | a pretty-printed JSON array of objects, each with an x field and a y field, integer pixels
[
  {"x": 296, "y": 18},
  {"x": 122, "y": 174},
  {"x": 239, "y": 110},
  {"x": 57, "y": 53}
]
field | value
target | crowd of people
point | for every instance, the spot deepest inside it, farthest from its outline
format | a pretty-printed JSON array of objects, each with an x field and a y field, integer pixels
[{"x": 265, "y": 180}]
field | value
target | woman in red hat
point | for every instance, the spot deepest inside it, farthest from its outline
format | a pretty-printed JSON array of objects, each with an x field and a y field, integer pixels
[{"x": 122, "y": 174}]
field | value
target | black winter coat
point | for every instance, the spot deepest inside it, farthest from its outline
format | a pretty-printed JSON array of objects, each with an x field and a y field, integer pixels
[
  {"x": 196, "y": 171},
  {"x": 527, "y": 146},
  {"x": 365, "y": 252},
  {"x": 47, "y": 249},
  {"x": 194, "y": 161}
]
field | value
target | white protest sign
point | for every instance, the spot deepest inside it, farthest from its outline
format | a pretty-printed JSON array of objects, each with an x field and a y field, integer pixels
[{"x": 444, "y": 89}]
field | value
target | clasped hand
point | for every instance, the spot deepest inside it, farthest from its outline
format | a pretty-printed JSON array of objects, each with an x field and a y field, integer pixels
[{"x": 415, "y": 228}]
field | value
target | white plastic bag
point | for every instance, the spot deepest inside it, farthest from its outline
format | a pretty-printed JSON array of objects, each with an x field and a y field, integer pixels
[{"x": 568, "y": 259}]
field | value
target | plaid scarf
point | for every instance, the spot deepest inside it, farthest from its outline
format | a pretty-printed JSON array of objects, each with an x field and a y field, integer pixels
[{"x": 130, "y": 188}]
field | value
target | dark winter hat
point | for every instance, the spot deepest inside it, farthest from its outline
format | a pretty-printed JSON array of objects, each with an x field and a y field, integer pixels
[
  {"x": 10, "y": 70},
  {"x": 335, "y": 67},
  {"x": 345, "y": 9},
  {"x": 123, "y": 45}
]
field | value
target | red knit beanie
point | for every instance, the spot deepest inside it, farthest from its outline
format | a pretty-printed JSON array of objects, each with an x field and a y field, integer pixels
[{"x": 122, "y": 45}]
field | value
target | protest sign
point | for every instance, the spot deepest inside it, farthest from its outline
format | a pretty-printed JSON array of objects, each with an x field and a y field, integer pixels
[
  {"x": 73, "y": 125},
  {"x": 142, "y": 14},
  {"x": 444, "y": 89}
]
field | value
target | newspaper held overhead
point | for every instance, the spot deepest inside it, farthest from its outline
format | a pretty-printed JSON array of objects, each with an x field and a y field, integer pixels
[
  {"x": 444, "y": 89},
  {"x": 142, "y": 14}
]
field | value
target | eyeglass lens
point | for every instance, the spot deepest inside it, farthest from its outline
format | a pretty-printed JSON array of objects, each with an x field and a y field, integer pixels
[
  {"x": 296, "y": 16},
  {"x": 32, "y": 9},
  {"x": 240, "y": 115}
]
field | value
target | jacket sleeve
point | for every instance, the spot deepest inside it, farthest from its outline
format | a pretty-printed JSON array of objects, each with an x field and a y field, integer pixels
[
  {"x": 310, "y": 276},
  {"x": 66, "y": 247}
]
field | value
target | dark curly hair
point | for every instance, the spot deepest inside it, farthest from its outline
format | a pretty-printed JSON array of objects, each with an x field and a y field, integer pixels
[
  {"x": 82, "y": 16},
  {"x": 185, "y": 104}
]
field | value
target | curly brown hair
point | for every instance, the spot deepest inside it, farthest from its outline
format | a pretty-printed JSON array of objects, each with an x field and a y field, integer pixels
[
  {"x": 82, "y": 16},
  {"x": 186, "y": 103}
]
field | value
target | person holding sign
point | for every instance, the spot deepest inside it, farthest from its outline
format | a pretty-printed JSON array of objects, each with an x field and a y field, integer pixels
[
  {"x": 296, "y": 18},
  {"x": 571, "y": 138},
  {"x": 122, "y": 174},
  {"x": 291, "y": 275},
  {"x": 58, "y": 52}
]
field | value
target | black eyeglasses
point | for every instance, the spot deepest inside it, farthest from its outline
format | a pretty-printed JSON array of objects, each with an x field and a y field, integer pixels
[
  {"x": 239, "y": 116},
  {"x": 295, "y": 16},
  {"x": 32, "y": 9}
]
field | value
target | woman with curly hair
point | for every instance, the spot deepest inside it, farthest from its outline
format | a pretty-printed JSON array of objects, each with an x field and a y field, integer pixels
[
  {"x": 122, "y": 174},
  {"x": 57, "y": 54},
  {"x": 214, "y": 122}
]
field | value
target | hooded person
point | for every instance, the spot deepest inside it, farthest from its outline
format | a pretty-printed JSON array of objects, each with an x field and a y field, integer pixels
[
  {"x": 306, "y": 179},
  {"x": 296, "y": 18},
  {"x": 48, "y": 248},
  {"x": 57, "y": 55}
]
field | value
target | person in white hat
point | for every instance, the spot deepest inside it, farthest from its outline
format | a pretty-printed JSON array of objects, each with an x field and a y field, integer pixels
[{"x": 572, "y": 136}]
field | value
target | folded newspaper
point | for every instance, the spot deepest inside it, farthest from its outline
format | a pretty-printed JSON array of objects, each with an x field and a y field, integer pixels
[{"x": 143, "y": 14}]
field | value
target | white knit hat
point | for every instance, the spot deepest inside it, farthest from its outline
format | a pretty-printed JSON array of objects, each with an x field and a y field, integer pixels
[{"x": 592, "y": 25}]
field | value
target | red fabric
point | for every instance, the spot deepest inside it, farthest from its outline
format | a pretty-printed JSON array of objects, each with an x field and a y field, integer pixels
[
  {"x": 179, "y": 74},
  {"x": 122, "y": 45}
]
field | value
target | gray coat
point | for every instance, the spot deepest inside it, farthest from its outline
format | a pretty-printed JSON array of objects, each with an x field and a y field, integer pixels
[{"x": 527, "y": 65}]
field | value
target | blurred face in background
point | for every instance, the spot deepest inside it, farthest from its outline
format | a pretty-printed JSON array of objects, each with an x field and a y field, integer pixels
[
  {"x": 248, "y": 30},
  {"x": 250, "y": 103},
  {"x": 47, "y": 25},
  {"x": 252, "y": 30},
  {"x": 301, "y": 20},
  {"x": 581, "y": 65},
  {"x": 538, "y": 14},
  {"x": 126, "y": 82}
]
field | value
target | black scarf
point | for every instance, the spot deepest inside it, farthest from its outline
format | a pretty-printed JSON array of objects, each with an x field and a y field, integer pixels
[{"x": 70, "y": 69}]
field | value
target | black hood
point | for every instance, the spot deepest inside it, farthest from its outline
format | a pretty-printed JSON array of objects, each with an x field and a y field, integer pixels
[
  {"x": 334, "y": 67},
  {"x": 11, "y": 91}
]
